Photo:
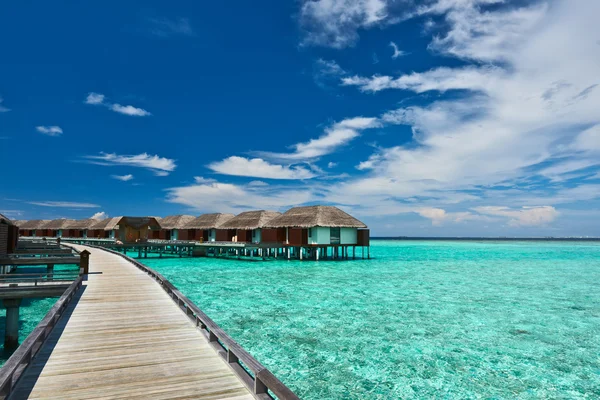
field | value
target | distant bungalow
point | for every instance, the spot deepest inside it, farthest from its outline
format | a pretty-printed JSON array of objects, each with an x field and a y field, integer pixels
[
  {"x": 173, "y": 227},
  {"x": 204, "y": 228},
  {"x": 79, "y": 228},
  {"x": 245, "y": 227},
  {"x": 35, "y": 227},
  {"x": 9, "y": 234},
  {"x": 320, "y": 226}
]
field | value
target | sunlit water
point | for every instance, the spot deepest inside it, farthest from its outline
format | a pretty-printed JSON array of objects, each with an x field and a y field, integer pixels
[{"x": 421, "y": 320}]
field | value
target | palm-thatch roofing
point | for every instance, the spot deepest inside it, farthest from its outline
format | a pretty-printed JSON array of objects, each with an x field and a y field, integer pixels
[
  {"x": 5, "y": 220},
  {"x": 35, "y": 224},
  {"x": 19, "y": 222},
  {"x": 312, "y": 216},
  {"x": 57, "y": 224},
  {"x": 107, "y": 224},
  {"x": 250, "y": 220},
  {"x": 175, "y": 221},
  {"x": 82, "y": 224},
  {"x": 209, "y": 221}
]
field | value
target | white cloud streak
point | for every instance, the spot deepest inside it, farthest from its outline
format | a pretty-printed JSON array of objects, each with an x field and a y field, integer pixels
[
  {"x": 3, "y": 108},
  {"x": 63, "y": 204},
  {"x": 98, "y": 99},
  {"x": 397, "y": 52},
  {"x": 100, "y": 215},
  {"x": 161, "y": 166},
  {"x": 259, "y": 168},
  {"x": 335, "y": 136},
  {"x": 526, "y": 216},
  {"x": 50, "y": 130},
  {"x": 124, "y": 178}
]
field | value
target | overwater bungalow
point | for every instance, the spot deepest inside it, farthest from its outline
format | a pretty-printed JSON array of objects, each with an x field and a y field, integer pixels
[
  {"x": 34, "y": 227},
  {"x": 245, "y": 227},
  {"x": 57, "y": 227},
  {"x": 204, "y": 228},
  {"x": 9, "y": 234},
  {"x": 173, "y": 227},
  {"x": 320, "y": 226},
  {"x": 104, "y": 229},
  {"x": 79, "y": 228}
]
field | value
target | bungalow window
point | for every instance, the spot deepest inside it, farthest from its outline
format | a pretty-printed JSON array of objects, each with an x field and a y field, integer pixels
[
  {"x": 334, "y": 234},
  {"x": 310, "y": 232}
]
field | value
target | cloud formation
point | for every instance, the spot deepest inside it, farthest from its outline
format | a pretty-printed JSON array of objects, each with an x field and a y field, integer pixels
[
  {"x": 259, "y": 168},
  {"x": 3, "y": 108},
  {"x": 335, "y": 136},
  {"x": 63, "y": 204},
  {"x": 123, "y": 178},
  {"x": 98, "y": 99},
  {"x": 526, "y": 216},
  {"x": 50, "y": 130},
  {"x": 397, "y": 52},
  {"x": 100, "y": 215},
  {"x": 161, "y": 166},
  {"x": 165, "y": 27}
]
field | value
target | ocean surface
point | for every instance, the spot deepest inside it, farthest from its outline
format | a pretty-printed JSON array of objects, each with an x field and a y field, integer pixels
[{"x": 422, "y": 319}]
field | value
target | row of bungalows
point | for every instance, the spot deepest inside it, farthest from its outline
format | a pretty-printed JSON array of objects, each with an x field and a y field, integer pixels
[{"x": 299, "y": 226}]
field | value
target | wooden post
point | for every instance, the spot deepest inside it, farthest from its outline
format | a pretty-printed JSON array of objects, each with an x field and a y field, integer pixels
[
  {"x": 84, "y": 262},
  {"x": 11, "y": 336},
  {"x": 301, "y": 253},
  {"x": 317, "y": 255},
  {"x": 369, "y": 252}
]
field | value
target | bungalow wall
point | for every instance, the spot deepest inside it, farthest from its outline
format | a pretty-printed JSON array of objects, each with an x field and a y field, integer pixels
[
  {"x": 224, "y": 235},
  {"x": 244, "y": 235},
  {"x": 13, "y": 239},
  {"x": 272, "y": 235},
  {"x": 3, "y": 240},
  {"x": 363, "y": 237},
  {"x": 297, "y": 236}
]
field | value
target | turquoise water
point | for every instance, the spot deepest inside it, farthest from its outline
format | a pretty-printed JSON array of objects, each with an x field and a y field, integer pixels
[
  {"x": 31, "y": 312},
  {"x": 450, "y": 320}
]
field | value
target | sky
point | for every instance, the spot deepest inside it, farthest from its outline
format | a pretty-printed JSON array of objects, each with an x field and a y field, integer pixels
[{"x": 421, "y": 118}]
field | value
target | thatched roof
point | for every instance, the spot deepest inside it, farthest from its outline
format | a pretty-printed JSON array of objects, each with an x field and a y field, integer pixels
[
  {"x": 250, "y": 220},
  {"x": 209, "y": 221},
  {"x": 35, "y": 224},
  {"x": 311, "y": 216},
  {"x": 175, "y": 221},
  {"x": 82, "y": 224},
  {"x": 5, "y": 220},
  {"x": 60, "y": 223},
  {"x": 107, "y": 224},
  {"x": 19, "y": 222}
]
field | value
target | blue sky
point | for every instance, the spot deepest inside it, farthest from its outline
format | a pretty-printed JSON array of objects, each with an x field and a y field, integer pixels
[{"x": 438, "y": 117}]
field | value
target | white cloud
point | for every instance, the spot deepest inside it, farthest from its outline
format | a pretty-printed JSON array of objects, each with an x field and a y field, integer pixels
[
  {"x": 526, "y": 216},
  {"x": 199, "y": 179},
  {"x": 397, "y": 51},
  {"x": 334, "y": 23},
  {"x": 49, "y": 130},
  {"x": 99, "y": 215},
  {"x": 439, "y": 79},
  {"x": 331, "y": 164},
  {"x": 3, "y": 108},
  {"x": 62, "y": 204},
  {"x": 94, "y": 98},
  {"x": 226, "y": 197},
  {"x": 123, "y": 178},
  {"x": 98, "y": 99},
  {"x": 164, "y": 27},
  {"x": 129, "y": 110},
  {"x": 259, "y": 168},
  {"x": 327, "y": 73},
  {"x": 512, "y": 123},
  {"x": 257, "y": 183},
  {"x": 439, "y": 216},
  {"x": 161, "y": 166},
  {"x": 337, "y": 135}
]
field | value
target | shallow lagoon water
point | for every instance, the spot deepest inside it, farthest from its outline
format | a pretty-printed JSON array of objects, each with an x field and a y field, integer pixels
[
  {"x": 427, "y": 319},
  {"x": 424, "y": 319}
]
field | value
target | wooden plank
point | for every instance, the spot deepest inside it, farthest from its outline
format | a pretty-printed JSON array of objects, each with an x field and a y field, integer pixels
[
  {"x": 39, "y": 261},
  {"x": 126, "y": 338}
]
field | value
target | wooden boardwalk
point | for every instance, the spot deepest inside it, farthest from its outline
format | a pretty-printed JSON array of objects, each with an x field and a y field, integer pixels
[{"x": 122, "y": 336}]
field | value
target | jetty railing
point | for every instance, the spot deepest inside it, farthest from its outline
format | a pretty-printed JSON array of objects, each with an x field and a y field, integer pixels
[
  {"x": 259, "y": 380},
  {"x": 21, "y": 358}
]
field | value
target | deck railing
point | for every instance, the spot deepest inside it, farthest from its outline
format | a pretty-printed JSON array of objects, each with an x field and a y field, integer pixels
[
  {"x": 16, "y": 364},
  {"x": 255, "y": 376}
]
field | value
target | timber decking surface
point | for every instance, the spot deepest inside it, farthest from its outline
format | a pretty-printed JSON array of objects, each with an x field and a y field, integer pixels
[{"x": 123, "y": 337}]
